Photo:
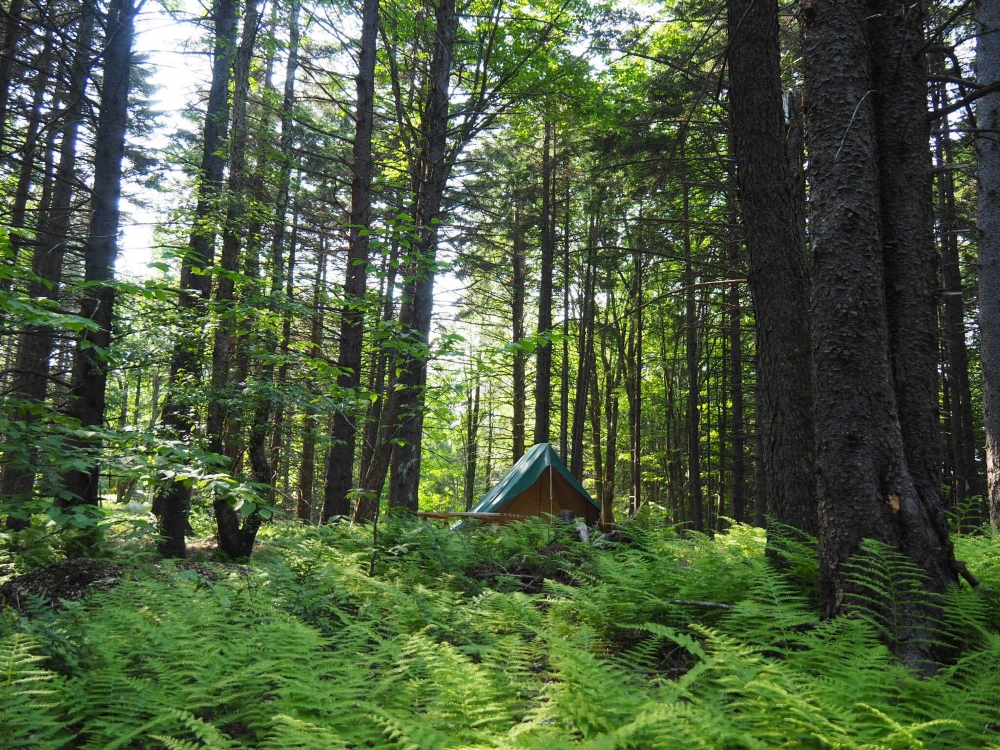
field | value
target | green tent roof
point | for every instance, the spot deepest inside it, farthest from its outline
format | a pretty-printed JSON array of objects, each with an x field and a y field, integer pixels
[{"x": 524, "y": 474}]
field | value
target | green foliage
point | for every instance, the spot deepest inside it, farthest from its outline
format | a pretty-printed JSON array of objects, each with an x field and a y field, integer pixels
[
  {"x": 306, "y": 650},
  {"x": 27, "y": 699}
]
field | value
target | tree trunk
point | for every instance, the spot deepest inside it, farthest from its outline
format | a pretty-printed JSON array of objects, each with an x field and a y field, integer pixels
[
  {"x": 988, "y": 149},
  {"x": 963, "y": 453},
  {"x": 595, "y": 439},
  {"x": 307, "y": 466},
  {"x": 235, "y": 538},
  {"x": 367, "y": 505},
  {"x": 8, "y": 49},
  {"x": 417, "y": 307},
  {"x": 612, "y": 376},
  {"x": 910, "y": 257},
  {"x": 34, "y": 349},
  {"x": 340, "y": 459},
  {"x": 472, "y": 441},
  {"x": 264, "y": 463},
  {"x": 564, "y": 364},
  {"x": 174, "y": 499},
  {"x": 633, "y": 389},
  {"x": 694, "y": 381},
  {"x": 543, "y": 352},
  {"x": 29, "y": 147},
  {"x": 90, "y": 358},
  {"x": 518, "y": 289},
  {"x": 866, "y": 489},
  {"x": 738, "y": 510},
  {"x": 773, "y": 222},
  {"x": 585, "y": 351}
]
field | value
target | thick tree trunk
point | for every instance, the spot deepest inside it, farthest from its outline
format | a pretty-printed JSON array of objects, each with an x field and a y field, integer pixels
[
  {"x": 772, "y": 212},
  {"x": 543, "y": 353},
  {"x": 90, "y": 361},
  {"x": 988, "y": 149},
  {"x": 910, "y": 257},
  {"x": 866, "y": 489},
  {"x": 340, "y": 460},
  {"x": 235, "y": 538},
  {"x": 174, "y": 499}
]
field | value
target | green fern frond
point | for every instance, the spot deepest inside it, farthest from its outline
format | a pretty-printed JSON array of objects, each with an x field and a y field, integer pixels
[
  {"x": 890, "y": 591},
  {"x": 29, "y": 699},
  {"x": 208, "y": 737},
  {"x": 287, "y": 733}
]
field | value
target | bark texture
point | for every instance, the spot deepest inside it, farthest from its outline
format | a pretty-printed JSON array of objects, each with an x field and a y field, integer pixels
[
  {"x": 899, "y": 79},
  {"x": 778, "y": 269},
  {"x": 865, "y": 487},
  {"x": 988, "y": 148}
]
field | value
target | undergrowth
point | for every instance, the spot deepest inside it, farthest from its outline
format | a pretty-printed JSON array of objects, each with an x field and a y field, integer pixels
[{"x": 446, "y": 647}]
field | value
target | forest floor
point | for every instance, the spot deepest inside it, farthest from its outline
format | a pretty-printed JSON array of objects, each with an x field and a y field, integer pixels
[{"x": 493, "y": 637}]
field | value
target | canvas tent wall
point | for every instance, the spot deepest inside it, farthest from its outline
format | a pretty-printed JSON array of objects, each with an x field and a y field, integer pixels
[{"x": 539, "y": 483}]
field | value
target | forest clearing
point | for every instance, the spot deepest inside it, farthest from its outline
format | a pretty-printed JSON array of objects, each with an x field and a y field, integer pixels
[{"x": 499, "y": 374}]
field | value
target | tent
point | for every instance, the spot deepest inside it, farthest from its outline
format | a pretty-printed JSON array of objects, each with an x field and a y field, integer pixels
[{"x": 539, "y": 483}]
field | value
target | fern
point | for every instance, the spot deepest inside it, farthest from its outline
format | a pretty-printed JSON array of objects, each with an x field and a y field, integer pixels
[
  {"x": 887, "y": 589},
  {"x": 28, "y": 695},
  {"x": 306, "y": 650}
]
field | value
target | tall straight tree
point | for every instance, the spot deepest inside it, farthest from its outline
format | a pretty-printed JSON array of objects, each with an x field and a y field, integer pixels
[
  {"x": 866, "y": 488},
  {"x": 779, "y": 279},
  {"x": 236, "y": 538},
  {"x": 433, "y": 167},
  {"x": 174, "y": 498},
  {"x": 543, "y": 352},
  {"x": 35, "y": 344},
  {"x": 340, "y": 460},
  {"x": 910, "y": 257},
  {"x": 963, "y": 440},
  {"x": 988, "y": 148},
  {"x": 10, "y": 36},
  {"x": 90, "y": 362},
  {"x": 519, "y": 273},
  {"x": 263, "y": 465}
]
